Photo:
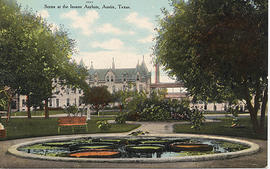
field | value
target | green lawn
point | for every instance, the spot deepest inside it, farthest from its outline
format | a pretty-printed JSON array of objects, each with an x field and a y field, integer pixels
[
  {"x": 109, "y": 113},
  {"x": 53, "y": 112},
  {"x": 223, "y": 128},
  {"x": 37, "y": 113},
  {"x": 222, "y": 112},
  {"x": 36, "y": 127}
]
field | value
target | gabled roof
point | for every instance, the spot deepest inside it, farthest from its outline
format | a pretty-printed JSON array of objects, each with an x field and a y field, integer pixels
[{"x": 131, "y": 73}]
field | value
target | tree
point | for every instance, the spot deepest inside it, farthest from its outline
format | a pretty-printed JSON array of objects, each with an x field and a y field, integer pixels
[
  {"x": 32, "y": 56},
  {"x": 98, "y": 97},
  {"x": 219, "y": 50}
]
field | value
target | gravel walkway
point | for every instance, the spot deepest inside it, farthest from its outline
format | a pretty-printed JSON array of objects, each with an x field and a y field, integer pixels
[{"x": 159, "y": 127}]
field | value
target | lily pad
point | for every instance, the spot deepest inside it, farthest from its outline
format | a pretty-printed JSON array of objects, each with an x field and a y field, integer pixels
[
  {"x": 191, "y": 147},
  {"x": 96, "y": 154},
  {"x": 39, "y": 147}
]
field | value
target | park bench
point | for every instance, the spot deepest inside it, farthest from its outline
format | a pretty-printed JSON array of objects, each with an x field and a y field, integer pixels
[
  {"x": 72, "y": 121},
  {"x": 2, "y": 131}
]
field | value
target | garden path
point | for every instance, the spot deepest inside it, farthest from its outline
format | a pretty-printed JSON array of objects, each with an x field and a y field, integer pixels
[{"x": 159, "y": 127}]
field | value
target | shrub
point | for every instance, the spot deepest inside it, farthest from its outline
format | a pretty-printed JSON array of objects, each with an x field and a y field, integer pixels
[
  {"x": 103, "y": 125},
  {"x": 155, "y": 110},
  {"x": 121, "y": 118},
  {"x": 71, "y": 110},
  {"x": 196, "y": 119}
]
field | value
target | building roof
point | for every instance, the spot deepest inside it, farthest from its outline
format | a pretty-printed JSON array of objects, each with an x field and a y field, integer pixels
[{"x": 129, "y": 73}]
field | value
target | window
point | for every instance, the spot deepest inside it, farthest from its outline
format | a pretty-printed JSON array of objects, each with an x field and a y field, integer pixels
[
  {"x": 138, "y": 77},
  {"x": 124, "y": 77},
  {"x": 113, "y": 88},
  {"x": 141, "y": 88},
  {"x": 23, "y": 103},
  {"x": 68, "y": 102},
  {"x": 111, "y": 78},
  {"x": 108, "y": 79},
  {"x": 50, "y": 102},
  {"x": 57, "y": 103},
  {"x": 80, "y": 101},
  {"x": 205, "y": 107}
]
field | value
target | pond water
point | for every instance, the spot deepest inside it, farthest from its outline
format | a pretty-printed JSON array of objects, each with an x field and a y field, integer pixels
[{"x": 132, "y": 147}]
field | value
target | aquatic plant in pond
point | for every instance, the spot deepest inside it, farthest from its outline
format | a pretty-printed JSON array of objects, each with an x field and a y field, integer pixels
[{"x": 132, "y": 147}]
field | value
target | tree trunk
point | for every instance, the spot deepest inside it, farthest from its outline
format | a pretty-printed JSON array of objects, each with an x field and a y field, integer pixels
[
  {"x": 253, "y": 116},
  {"x": 46, "y": 109},
  {"x": 28, "y": 107},
  {"x": 9, "y": 109},
  {"x": 254, "y": 120},
  {"x": 263, "y": 109}
]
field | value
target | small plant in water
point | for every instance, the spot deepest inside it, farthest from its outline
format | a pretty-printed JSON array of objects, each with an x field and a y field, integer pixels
[{"x": 139, "y": 132}]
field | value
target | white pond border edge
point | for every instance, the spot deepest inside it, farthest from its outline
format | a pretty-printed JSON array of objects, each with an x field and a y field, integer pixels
[{"x": 254, "y": 148}]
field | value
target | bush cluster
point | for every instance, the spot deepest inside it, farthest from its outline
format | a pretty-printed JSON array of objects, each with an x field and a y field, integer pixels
[{"x": 155, "y": 110}]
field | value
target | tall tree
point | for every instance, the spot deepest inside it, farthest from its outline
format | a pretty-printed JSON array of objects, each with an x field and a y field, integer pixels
[
  {"x": 98, "y": 97},
  {"x": 32, "y": 56},
  {"x": 219, "y": 50}
]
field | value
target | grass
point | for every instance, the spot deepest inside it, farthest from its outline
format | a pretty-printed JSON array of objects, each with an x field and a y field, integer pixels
[
  {"x": 222, "y": 112},
  {"x": 223, "y": 128},
  {"x": 36, "y": 127},
  {"x": 37, "y": 113},
  {"x": 53, "y": 112},
  {"x": 108, "y": 113}
]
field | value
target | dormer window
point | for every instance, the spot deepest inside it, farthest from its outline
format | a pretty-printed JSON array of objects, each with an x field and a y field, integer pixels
[
  {"x": 111, "y": 78},
  {"x": 138, "y": 77},
  {"x": 108, "y": 79},
  {"x": 124, "y": 77}
]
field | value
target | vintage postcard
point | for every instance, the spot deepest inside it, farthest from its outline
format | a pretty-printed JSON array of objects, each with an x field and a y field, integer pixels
[{"x": 133, "y": 83}]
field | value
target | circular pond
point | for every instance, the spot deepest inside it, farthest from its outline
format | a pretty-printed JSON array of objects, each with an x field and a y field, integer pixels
[{"x": 152, "y": 148}]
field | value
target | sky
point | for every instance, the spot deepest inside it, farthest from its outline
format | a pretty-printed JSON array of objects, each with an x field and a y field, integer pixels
[{"x": 106, "y": 29}]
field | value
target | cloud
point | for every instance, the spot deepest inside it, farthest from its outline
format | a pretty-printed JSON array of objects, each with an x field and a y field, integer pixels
[
  {"x": 82, "y": 22},
  {"x": 111, "y": 44},
  {"x": 146, "y": 39},
  {"x": 44, "y": 14},
  {"x": 140, "y": 22},
  {"x": 108, "y": 28}
]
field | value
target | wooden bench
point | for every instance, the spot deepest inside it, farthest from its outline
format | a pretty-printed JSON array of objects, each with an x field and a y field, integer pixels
[
  {"x": 2, "y": 133},
  {"x": 72, "y": 121}
]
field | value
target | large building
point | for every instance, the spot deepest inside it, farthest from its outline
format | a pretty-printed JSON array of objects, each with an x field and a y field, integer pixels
[{"x": 138, "y": 78}]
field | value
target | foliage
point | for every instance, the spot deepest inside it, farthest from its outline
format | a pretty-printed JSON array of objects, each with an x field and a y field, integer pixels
[
  {"x": 98, "y": 97},
  {"x": 71, "y": 110},
  {"x": 234, "y": 110},
  {"x": 32, "y": 55},
  {"x": 103, "y": 125},
  {"x": 155, "y": 108},
  {"x": 197, "y": 119},
  {"x": 121, "y": 118},
  {"x": 232, "y": 146},
  {"x": 139, "y": 133},
  {"x": 219, "y": 50}
]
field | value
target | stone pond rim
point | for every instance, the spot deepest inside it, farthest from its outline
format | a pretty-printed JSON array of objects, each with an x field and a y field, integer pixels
[{"x": 254, "y": 148}]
